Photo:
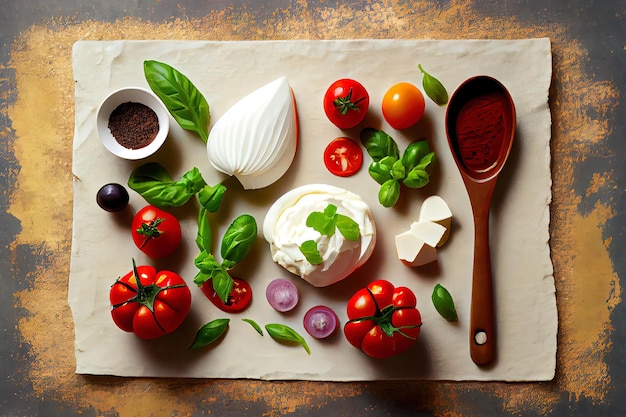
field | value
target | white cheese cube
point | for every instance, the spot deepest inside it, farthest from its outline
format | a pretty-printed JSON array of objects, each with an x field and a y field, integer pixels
[
  {"x": 435, "y": 209},
  {"x": 430, "y": 232},
  {"x": 413, "y": 251}
]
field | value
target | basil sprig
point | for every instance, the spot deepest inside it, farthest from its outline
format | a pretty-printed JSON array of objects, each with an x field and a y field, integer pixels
[
  {"x": 236, "y": 243},
  {"x": 209, "y": 333},
  {"x": 183, "y": 100},
  {"x": 157, "y": 187},
  {"x": 326, "y": 223},
  {"x": 390, "y": 170},
  {"x": 284, "y": 333},
  {"x": 433, "y": 88},
  {"x": 442, "y": 300}
]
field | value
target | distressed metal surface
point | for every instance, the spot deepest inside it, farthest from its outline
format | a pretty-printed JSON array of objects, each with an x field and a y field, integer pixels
[{"x": 588, "y": 217}]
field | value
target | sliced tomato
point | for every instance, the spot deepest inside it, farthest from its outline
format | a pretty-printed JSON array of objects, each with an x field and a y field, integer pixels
[
  {"x": 343, "y": 157},
  {"x": 239, "y": 299}
]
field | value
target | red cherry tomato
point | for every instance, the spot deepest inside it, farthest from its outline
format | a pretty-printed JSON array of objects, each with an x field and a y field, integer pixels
[
  {"x": 403, "y": 105},
  {"x": 343, "y": 157},
  {"x": 152, "y": 306},
  {"x": 345, "y": 103},
  {"x": 383, "y": 319},
  {"x": 238, "y": 300},
  {"x": 155, "y": 232}
]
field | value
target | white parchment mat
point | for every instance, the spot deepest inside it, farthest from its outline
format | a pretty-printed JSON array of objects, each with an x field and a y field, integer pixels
[{"x": 526, "y": 316}]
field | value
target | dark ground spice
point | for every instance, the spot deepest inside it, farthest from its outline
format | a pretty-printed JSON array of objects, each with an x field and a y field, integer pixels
[{"x": 133, "y": 125}]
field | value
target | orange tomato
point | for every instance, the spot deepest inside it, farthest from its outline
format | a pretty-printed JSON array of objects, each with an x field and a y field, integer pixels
[{"x": 403, "y": 105}]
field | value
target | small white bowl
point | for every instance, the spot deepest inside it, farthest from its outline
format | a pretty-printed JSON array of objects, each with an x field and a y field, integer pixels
[{"x": 136, "y": 95}]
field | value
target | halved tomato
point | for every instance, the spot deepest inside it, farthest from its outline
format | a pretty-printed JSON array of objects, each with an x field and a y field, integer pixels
[{"x": 343, "y": 157}]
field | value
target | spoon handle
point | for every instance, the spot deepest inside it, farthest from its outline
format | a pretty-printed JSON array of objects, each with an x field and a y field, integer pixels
[{"x": 482, "y": 331}]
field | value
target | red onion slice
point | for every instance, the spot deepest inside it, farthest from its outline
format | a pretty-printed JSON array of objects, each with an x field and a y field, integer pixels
[
  {"x": 282, "y": 295},
  {"x": 321, "y": 322}
]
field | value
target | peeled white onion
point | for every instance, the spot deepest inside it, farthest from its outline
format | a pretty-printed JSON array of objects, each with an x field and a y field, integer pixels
[{"x": 256, "y": 139}]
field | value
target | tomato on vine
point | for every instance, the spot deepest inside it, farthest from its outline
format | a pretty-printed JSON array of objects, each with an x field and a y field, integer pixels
[
  {"x": 156, "y": 232},
  {"x": 346, "y": 102},
  {"x": 383, "y": 319},
  {"x": 149, "y": 303}
]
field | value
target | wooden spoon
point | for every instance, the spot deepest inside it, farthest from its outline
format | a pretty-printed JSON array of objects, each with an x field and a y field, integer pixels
[{"x": 480, "y": 125}]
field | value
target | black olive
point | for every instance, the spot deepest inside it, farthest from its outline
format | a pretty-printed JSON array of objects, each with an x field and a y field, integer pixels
[{"x": 112, "y": 197}]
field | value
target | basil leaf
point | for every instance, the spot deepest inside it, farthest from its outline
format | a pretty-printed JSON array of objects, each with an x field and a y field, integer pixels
[
  {"x": 433, "y": 88},
  {"x": 348, "y": 227},
  {"x": 208, "y": 266},
  {"x": 283, "y": 333},
  {"x": 311, "y": 253},
  {"x": 238, "y": 238},
  {"x": 417, "y": 178},
  {"x": 323, "y": 222},
  {"x": 222, "y": 283},
  {"x": 201, "y": 278},
  {"x": 442, "y": 300},
  {"x": 378, "y": 144},
  {"x": 380, "y": 172},
  {"x": 203, "y": 237},
  {"x": 389, "y": 193},
  {"x": 414, "y": 153},
  {"x": 209, "y": 333},
  {"x": 156, "y": 186},
  {"x": 397, "y": 170},
  {"x": 254, "y": 325},
  {"x": 330, "y": 210},
  {"x": 426, "y": 161},
  {"x": 183, "y": 100},
  {"x": 210, "y": 197},
  {"x": 206, "y": 262},
  {"x": 211, "y": 269}
]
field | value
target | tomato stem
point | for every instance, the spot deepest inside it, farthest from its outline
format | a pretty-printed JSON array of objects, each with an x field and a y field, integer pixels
[
  {"x": 344, "y": 104},
  {"x": 150, "y": 230},
  {"x": 383, "y": 318}
]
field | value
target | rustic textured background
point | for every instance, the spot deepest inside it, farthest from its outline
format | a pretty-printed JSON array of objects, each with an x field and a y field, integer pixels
[{"x": 588, "y": 223}]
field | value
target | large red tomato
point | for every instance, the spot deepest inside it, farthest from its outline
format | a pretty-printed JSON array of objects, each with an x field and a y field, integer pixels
[
  {"x": 345, "y": 103},
  {"x": 156, "y": 232},
  {"x": 151, "y": 306},
  {"x": 383, "y": 319}
]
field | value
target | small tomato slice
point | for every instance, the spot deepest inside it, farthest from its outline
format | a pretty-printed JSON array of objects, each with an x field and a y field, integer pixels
[
  {"x": 154, "y": 305},
  {"x": 156, "y": 232},
  {"x": 343, "y": 157},
  {"x": 346, "y": 102},
  {"x": 239, "y": 299},
  {"x": 403, "y": 105}
]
